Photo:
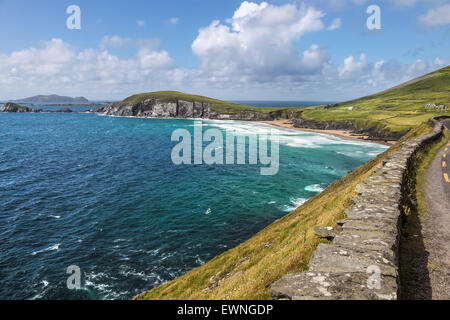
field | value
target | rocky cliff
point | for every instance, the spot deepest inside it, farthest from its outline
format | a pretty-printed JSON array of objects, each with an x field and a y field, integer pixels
[
  {"x": 13, "y": 107},
  {"x": 156, "y": 108},
  {"x": 346, "y": 125}
]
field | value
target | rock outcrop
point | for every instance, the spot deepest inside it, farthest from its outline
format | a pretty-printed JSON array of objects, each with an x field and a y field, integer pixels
[
  {"x": 155, "y": 108},
  {"x": 13, "y": 107},
  {"x": 362, "y": 262},
  {"x": 65, "y": 110}
]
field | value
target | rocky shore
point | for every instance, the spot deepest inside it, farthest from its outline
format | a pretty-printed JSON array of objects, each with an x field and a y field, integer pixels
[
  {"x": 11, "y": 107},
  {"x": 370, "y": 132}
]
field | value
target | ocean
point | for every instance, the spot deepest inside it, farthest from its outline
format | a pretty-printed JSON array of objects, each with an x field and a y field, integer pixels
[{"x": 102, "y": 193}]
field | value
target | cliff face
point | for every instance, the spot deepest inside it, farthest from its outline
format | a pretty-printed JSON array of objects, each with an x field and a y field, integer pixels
[
  {"x": 155, "y": 108},
  {"x": 13, "y": 107},
  {"x": 345, "y": 125}
]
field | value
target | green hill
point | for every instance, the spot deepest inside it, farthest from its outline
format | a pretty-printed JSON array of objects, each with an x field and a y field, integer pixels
[{"x": 395, "y": 110}]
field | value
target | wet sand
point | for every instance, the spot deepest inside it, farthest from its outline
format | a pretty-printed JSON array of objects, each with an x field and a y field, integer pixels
[{"x": 338, "y": 133}]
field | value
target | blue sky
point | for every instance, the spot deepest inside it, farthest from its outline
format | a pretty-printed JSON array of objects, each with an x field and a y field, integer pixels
[{"x": 288, "y": 50}]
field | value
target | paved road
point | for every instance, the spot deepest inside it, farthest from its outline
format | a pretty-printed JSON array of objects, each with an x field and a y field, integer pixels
[{"x": 436, "y": 223}]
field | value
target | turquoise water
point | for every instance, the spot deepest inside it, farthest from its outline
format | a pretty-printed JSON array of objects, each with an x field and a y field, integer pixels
[{"x": 102, "y": 193}]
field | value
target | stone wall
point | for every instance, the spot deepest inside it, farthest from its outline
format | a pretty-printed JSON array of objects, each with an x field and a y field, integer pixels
[{"x": 362, "y": 261}]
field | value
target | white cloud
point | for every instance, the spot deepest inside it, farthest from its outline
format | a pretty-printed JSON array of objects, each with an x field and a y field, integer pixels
[
  {"x": 259, "y": 41},
  {"x": 437, "y": 17},
  {"x": 438, "y": 61},
  {"x": 418, "y": 67},
  {"x": 48, "y": 61},
  {"x": 336, "y": 24},
  {"x": 366, "y": 77},
  {"x": 255, "y": 53},
  {"x": 353, "y": 68},
  {"x": 149, "y": 59},
  {"x": 174, "y": 20},
  {"x": 64, "y": 69},
  {"x": 141, "y": 23}
]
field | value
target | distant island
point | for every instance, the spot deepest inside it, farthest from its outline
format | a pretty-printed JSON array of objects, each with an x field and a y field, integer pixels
[{"x": 52, "y": 99}]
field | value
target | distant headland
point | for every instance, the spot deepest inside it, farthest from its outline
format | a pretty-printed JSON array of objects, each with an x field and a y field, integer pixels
[{"x": 52, "y": 99}]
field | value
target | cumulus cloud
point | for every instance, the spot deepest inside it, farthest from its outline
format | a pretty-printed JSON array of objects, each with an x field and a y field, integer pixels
[
  {"x": 363, "y": 74},
  {"x": 59, "y": 65},
  {"x": 336, "y": 24},
  {"x": 438, "y": 61},
  {"x": 259, "y": 41},
  {"x": 255, "y": 53},
  {"x": 353, "y": 68},
  {"x": 437, "y": 17}
]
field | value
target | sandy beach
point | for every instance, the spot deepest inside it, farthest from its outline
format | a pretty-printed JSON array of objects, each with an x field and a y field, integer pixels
[{"x": 338, "y": 133}]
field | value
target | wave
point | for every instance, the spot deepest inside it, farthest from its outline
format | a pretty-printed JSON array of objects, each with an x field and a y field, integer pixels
[
  {"x": 289, "y": 137},
  {"x": 51, "y": 248},
  {"x": 295, "y": 203},
  {"x": 314, "y": 188}
]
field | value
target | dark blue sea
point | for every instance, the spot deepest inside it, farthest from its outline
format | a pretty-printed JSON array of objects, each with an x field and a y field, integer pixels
[{"x": 102, "y": 193}]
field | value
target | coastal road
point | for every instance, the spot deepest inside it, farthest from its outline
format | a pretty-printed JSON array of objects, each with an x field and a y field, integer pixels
[{"x": 436, "y": 223}]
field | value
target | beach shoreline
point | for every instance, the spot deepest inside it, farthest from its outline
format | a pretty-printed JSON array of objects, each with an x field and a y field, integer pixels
[{"x": 345, "y": 134}]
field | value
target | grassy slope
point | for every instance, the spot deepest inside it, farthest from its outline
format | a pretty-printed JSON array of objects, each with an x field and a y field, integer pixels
[
  {"x": 284, "y": 246},
  {"x": 403, "y": 106}
]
